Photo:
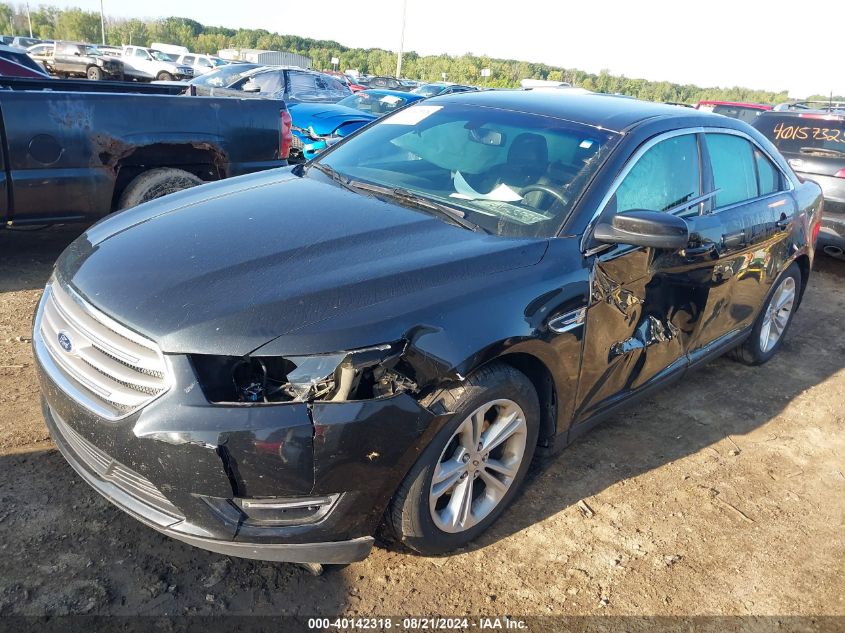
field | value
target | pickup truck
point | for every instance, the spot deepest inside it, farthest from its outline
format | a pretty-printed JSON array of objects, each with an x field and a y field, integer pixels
[
  {"x": 147, "y": 64},
  {"x": 75, "y": 150},
  {"x": 77, "y": 59}
]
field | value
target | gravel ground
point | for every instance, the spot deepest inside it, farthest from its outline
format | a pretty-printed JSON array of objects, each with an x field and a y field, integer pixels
[{"x": 722, "y": 495}]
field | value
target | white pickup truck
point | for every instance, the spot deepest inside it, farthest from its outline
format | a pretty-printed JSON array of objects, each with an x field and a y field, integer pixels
[{"x": 148, "y": 64}]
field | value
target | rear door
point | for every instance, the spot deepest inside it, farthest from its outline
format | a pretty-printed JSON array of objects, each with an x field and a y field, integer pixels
[
  {"x": 65, "y": 58},
  {"x": 745, "y": 234}
]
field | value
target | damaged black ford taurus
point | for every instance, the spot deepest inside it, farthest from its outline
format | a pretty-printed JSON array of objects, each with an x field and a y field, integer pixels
[{"x": 280, "y": 365}]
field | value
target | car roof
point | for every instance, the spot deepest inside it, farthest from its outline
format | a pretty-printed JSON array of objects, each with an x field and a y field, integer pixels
[{"x": 610, "y": 112}]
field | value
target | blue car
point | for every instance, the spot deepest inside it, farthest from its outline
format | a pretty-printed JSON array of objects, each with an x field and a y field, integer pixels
[
  {"x": 316, "y": 126},
  {"x": 379, "y": 102}
]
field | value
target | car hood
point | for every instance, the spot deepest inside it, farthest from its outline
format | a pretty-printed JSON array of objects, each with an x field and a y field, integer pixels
[
  {"x": 325, "y": 118},
  {"x": 226, "y": 267}
]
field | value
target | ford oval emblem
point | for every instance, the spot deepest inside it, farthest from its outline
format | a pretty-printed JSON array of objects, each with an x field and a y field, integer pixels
[{"x": 65, "y": 342}]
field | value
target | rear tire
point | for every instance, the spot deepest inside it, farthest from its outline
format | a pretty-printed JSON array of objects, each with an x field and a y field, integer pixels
[
  {"x": 94, "y": 73},
  {"x": 427, "y": 513},
  {"x": 164, "y": 76},
  {"x": 775, "y": 317},
  {"x": 155, "y": 184}
]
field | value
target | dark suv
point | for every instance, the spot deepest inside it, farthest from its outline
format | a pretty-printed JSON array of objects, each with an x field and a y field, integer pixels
[
  {"x": 813, "y": 142},
  {"x": 277, "y": 365},
  {"x": 76, "y": 59}
]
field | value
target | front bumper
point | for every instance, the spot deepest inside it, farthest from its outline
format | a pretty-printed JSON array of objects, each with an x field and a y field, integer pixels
[
  {"x": 166, "y": 463},
  {"x": 164, "y": 519}
]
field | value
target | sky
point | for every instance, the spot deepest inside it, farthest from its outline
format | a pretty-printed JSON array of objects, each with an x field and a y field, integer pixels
[{"x": 764, "y": 45}]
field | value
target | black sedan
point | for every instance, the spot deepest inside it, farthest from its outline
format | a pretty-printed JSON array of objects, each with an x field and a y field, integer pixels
[{"x": 278, "y": 365}]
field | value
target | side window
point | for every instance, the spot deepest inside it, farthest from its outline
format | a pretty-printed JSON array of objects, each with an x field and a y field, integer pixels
[
  {"x": 269, "y": 83},
  {"x": 188, "y": 60},
  {"x": 734, "y": 174},
  {"x": 665, "y": 176},
  {"x": 769, "y": 177},
  {"x": 140, "y": 52}
]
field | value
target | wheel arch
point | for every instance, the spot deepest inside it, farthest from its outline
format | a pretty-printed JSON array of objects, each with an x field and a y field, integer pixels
[
  {"x": 544, "y": 384},
  {"x": 804, "y": 265},
  {"x": 204, "y": 160}
]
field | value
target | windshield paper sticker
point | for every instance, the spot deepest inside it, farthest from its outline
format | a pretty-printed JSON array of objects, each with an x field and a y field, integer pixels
[
  {"x": 464, "y": 191},
  {"x": 412, "y": 115}
]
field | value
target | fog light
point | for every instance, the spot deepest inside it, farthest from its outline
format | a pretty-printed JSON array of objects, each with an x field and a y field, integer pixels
[{"x": 286, "y": 510}]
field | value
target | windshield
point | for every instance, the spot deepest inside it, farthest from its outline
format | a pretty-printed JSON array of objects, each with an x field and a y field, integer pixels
[
  {"x": 162, "y": 57},
  {"x": 373, "y": 103},
  {"x": 428, "y": 91},
  {"x": 224, "y": 76},
  {"x": 508, "y": 172},
  {"x": 804, "y": 133},
  {"x": 93, "y": 51}
]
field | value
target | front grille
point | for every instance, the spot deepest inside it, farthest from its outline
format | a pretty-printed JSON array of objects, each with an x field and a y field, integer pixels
[
  {"x": 113, "y": 471},
  {"x": 99, "y": 360}
]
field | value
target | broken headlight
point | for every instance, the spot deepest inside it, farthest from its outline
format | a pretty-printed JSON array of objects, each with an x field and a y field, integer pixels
[{"x": 371, "y": 372}]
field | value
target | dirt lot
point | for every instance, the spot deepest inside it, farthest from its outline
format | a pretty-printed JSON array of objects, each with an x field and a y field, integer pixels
[{"x": 722, "y": 495}]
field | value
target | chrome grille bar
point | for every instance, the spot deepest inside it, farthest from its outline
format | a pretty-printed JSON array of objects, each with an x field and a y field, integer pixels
[{"x": 117, "y": 368}]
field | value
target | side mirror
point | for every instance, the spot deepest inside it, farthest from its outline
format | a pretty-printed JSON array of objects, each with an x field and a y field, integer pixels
[{"x": 645, "y": 228}]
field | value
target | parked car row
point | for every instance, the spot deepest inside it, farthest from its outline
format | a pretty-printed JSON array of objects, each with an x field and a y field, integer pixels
[{"x": 79, "y": 59}]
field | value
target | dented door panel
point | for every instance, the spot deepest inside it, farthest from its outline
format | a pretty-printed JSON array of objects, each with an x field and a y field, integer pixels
[{"x": 641, "y": 316}]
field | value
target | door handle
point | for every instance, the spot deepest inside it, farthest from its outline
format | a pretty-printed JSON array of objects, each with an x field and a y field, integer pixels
[
  {"x": 730, "y": 240},
  {"x": 701, "y": 251}
]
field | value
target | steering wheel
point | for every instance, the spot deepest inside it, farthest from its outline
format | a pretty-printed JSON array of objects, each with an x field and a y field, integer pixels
[{"x": 554, "y": 193}]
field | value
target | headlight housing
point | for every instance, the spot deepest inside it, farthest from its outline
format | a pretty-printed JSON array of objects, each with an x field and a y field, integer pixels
[{"x": 359, "y": 374}]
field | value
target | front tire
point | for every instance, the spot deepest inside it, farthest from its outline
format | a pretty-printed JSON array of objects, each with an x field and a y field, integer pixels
[
  {"x": 156, "y": 183},
  {"x": 474, "y": 466},
  {"x": 774, "y": 320},
  {"x": 163, "y": 76},
  {"x": 94, "y": 73}
]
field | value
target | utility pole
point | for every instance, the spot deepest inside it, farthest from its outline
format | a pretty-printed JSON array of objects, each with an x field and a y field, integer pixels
[
  {"x": 401, "y": 39},
  {"x": 103, "y": 22},
  {"x": 29, "y": 18}
]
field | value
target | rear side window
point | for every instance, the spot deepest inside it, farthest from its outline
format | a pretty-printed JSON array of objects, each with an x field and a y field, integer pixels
[
  {"x": 749, "y": 115},
  {"x": 802, "y": 134},
  {"x": 666, "y": 176},
  {"x": 734, "y": 172}
]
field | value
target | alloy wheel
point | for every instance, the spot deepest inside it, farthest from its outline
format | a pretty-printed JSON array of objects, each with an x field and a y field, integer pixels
[
  {"x": 777, "y": 314},
  {"x": 478, "y": 466}
]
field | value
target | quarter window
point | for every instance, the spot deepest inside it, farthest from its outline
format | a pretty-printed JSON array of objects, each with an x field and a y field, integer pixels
[
  {"x": 666, "y": 176},
  {"x": 734, "y": 172},
  {"x": 768, "y": 176}
]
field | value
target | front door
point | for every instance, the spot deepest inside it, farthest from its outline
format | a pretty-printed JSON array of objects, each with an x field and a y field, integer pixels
[{"x": 645, "y": 303}]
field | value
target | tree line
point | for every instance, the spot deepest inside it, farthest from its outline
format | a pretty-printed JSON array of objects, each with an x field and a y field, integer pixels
[{"x": 75, "y": 24}]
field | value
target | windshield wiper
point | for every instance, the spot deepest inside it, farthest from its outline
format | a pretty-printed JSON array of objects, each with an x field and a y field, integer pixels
[
  {"x": 821, "y": 151},
  {"x": 450, "y": 214},
  {"x": 336, "y": 176}
]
